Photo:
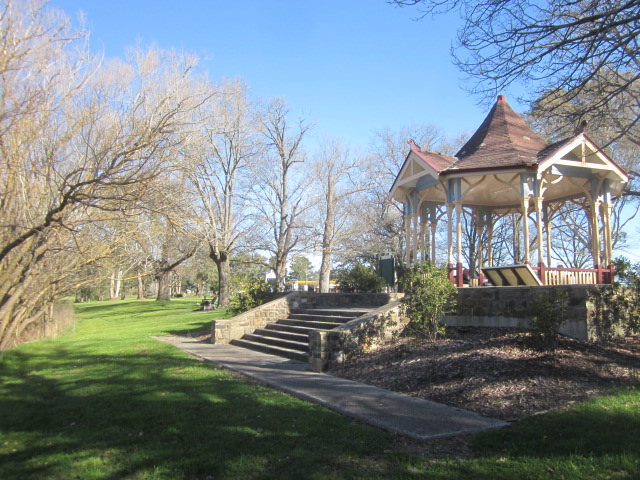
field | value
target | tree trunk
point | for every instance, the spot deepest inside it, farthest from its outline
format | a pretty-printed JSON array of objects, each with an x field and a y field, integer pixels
[
  {"x": 114, "y": 285},
  {"x": 178, "y": 284},
  {"x": 140, "y": 287},
  {"x": 164, "y": 285},
  {"x": 224, "y": 272},
  {"x": 327, "y": 237},
  {"x": 325, "y": 272},
  {"x": 281, "y": 274},
  {"x": 221, "y": 259}
]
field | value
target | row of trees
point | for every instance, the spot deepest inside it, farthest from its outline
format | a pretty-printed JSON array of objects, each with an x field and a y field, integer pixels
[{"x": 127, "y": 169}]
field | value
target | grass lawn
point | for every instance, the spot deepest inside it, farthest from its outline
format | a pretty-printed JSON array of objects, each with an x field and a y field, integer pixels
[{"x": 105, "y": 401}]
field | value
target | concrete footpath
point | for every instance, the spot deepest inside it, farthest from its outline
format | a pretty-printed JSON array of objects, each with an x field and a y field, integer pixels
[{"x": 395, "y": 412}]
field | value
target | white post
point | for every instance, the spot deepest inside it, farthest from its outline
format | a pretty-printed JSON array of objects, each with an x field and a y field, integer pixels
[
  {"x": 539, "y": 220},
  {"x": 595, "y": 233},
  {"x": 525, "y": 219},
  {"x": 450, "y": 233}
]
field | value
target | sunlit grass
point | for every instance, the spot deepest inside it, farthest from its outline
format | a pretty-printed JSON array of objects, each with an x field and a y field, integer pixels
[{"x": 106, "y": 401}]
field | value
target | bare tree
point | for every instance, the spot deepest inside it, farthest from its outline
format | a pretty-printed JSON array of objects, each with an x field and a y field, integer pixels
[
  {"x": 217, "y": 165},
  {"x": 280, "y": 188},
  {"x": 565, "y": 51},
  {"x": 382, "y": 226},
  {"x": 340, "y": 175},
  {"x": 76, "y": 139}
]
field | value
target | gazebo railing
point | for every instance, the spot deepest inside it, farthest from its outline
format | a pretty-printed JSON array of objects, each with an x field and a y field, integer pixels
[
  {"x": 574, "y": 276},
  {"x": 546, "y": 275}
]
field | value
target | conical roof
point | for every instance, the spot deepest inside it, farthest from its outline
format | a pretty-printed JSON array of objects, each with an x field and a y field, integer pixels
[{"x": 503, "y": 140}]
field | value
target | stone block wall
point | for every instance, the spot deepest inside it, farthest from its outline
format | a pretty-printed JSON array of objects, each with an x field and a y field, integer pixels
[
  {"x": 223, "y": 331},
  {"x": 337, "y": 300},
  {"x": 513, "y": 307},
  {"x": 357, "y": 336}
]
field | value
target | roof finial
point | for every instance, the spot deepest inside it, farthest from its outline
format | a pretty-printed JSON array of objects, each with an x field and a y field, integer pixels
[
  {"x": 581, "y": 128},
  {"x": 502, "y": 99},
  {"x": 414, "y": 145}
]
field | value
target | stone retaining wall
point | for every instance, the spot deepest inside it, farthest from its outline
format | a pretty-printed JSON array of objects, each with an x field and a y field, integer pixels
[
  {"x": 480, "y": 306},
  {"x": 512, "y": 307},
  {"x": 223, "y": 331},
  {"x": 338, "y": 300},
  {"x": 357, "y": 336}
]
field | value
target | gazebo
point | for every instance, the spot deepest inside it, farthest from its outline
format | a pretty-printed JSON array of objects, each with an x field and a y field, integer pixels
[{"x": 507, "y": 168}]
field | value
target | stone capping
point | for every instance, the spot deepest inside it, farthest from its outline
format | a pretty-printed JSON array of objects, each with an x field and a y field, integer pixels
[{"x": 359, "y": 335}]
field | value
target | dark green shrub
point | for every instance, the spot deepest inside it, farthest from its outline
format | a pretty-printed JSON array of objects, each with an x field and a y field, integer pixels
[
  {"x": 428, "y": 296},
  {"x": 254, "y": 294},
  {"x": 616, "y": 307},
  {"x": 360, "y": 279},
  {"x": 550, "y": 313}
]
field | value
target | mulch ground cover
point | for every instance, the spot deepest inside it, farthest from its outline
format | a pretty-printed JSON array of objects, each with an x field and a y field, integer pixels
[{"x": 489, "y": 371}]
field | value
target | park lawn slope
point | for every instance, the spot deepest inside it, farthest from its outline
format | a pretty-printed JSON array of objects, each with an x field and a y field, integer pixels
[{"x": 106, "y": 401}]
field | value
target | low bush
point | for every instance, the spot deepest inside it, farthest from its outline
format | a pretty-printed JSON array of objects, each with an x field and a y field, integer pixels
[
  {"x": 550, "y": 313},
  {"x": 360, "y": 279},
  {"x": 254, "y": 295},
  {"x": 428, "y": 296}
]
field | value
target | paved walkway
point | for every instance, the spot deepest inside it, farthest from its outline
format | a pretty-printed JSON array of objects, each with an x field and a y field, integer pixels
[{"x": 416, "y": 418}]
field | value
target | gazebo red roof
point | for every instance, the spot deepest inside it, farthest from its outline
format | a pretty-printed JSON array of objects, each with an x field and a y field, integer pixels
[
  {"x": 503, "y": 140},
  {"x": 436, "y": 161}
]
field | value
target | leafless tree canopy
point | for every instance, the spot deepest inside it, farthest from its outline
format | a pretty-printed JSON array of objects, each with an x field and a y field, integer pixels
[
  {"x": 581, "y": 52},
  {"x": 281, "y": 198},
  {"x": 80, "y": 143}
]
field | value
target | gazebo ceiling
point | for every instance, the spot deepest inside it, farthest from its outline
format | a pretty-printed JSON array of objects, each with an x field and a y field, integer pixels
[{"x": 491, "y": 167}]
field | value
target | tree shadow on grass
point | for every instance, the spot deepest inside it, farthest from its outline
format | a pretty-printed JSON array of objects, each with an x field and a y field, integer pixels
[
  {"x": 191, "y": 329},
  {"x": 593, "y": 429},
  {"x": 161, "y": 415},
  {"x": 117, "y": 308}
]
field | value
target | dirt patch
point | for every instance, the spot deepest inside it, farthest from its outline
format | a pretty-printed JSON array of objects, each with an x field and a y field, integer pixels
[{"x": 487, "y": 370}]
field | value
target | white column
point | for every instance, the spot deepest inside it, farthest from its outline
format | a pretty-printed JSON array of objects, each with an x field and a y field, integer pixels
[
  {"x": 547, "y": 226},
  {"x": 434, "y": 229},
  {"x": 608, "y": 236},
  {"x": 423, "y": 239},
  {"x": 595, "y": 233},
  {"x": 459, "y": 231},
  {"x": 450, "y": 233},
  {"x": 539, "y": 220},
  {"x": 490, "y": 242},
  {"x": 407, "y": 239},
  {"x": 414, "y": 244},
  {"x": 525, "y": 219}
]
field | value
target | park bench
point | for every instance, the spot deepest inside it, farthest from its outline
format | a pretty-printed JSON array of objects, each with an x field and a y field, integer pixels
[{"x": 207, "y": 304}]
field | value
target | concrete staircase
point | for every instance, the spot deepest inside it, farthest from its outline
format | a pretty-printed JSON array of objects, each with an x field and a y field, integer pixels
[{"x": 289, "y": 337}]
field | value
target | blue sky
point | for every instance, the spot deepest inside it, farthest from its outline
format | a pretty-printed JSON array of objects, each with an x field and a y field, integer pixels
[{"x": 350, "y": 66}]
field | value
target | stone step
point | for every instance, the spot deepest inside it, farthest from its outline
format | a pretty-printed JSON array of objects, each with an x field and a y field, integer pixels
[
  {"x": 334, "y": 312},
  {"x": 289, "y": 337},
  {"x": 292, "y": 328},
  {"x": 320, "y": 318},
  {"x": 307, "y": 323},
  {"x": 284, "y": 334},
  {"x": 277, "y": 342},
  {"x": 272, "y": 350}
]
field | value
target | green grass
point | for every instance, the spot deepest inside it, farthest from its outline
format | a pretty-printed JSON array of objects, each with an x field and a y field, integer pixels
[{"x": 106, "y": 401}]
